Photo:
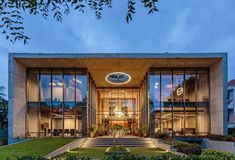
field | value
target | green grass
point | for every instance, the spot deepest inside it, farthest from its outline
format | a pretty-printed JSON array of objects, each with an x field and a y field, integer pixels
[
  {"x": 35, "y": 147},
  {"x": 99, "y": 152},
  {"x": 86, "y": 152},
  {"x": 149, "y": 152}
]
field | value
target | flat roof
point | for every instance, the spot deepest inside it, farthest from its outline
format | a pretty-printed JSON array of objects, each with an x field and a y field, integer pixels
[
  {"x": 121, "y": 55},
  {"x": 101, "y": 64}
]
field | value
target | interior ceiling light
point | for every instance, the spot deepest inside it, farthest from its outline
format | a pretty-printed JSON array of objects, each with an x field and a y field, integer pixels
[{"x": 118, "y": 78}]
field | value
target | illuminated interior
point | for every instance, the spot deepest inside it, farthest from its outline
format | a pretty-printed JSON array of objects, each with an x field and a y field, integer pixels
[{"x": 66, "y": 102}]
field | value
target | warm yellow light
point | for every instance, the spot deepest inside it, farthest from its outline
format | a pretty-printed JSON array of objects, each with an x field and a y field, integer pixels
[{"x": 118, "y": 73}]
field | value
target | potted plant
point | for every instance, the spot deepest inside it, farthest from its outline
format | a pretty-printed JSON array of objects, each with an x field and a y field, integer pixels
[
  {"x": 91, "y": 130},
  {"x": 144, "y": 131},
  {"x": 139, "y": 132}
]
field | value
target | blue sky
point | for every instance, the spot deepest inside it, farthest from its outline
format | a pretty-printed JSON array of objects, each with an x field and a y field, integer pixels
[{"x": 180, "y": 26}]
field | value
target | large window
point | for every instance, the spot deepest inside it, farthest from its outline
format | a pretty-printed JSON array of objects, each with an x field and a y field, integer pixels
[
  {"x": 155, "y": 101},
  {"x": 179, "y": 99},
  {"x": 33, "y": 98},
  {"x": 55, "y": 101},
  {"x": 166, "y": 101},
  {"x": 45, "y": 87}
]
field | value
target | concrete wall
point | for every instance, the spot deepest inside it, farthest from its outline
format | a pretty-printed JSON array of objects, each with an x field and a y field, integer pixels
[
  {"x": 220, "y": 145},
  {"x": 17, "y": 99},
  {"x": 218, "y": 97}
]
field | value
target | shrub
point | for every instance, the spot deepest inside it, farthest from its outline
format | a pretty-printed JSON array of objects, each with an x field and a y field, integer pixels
[
  {"x": 73, "y": 157},
  {"x": 28, "y": 157},
  {"x": 125, "y": 157},
  {"x": 185, "y": 147},
  {"x": 163, "y": 135},
  {"x": 220, "y": 137},
  {"x": 231, "y": 131},
  {"x": 219, "y": 154},
  {"x": 92, "y": 128},
  {"x": 3, "y": 141}
]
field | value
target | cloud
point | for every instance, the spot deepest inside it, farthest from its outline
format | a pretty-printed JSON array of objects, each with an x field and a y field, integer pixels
[{"x": 180, "y": 26}]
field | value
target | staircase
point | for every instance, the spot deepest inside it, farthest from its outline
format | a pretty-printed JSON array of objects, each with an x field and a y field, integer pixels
[{"x": 128, "y": 141}]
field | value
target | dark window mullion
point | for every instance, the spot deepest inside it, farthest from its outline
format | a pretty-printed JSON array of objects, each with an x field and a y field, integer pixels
[
  {"x": 51, "y": 102},
  {"x": 172, "y": 102},
  {"x": 160, "y": 101},
  {"x": 38, "y": 104},
  {"x": 196, "y": 99},
  {"x": 184, "y": 103},
  {"x": 75, "y": 107},
  {"x": 27, "y": 108},
  {"x": 63, "y": 106}
]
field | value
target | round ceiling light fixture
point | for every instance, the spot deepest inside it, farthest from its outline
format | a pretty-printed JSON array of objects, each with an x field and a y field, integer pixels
[{"x": 118, "y": 78}]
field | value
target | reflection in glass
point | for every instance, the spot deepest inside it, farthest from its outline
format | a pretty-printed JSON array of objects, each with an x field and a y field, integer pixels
[
  {"x": 178, "y": 86},
  {"x": 166, "y": 101},
  {"x": 190, "y": 83},
  {"x": 57, "y": 87},
  {"x": 45, "y": 121},
  {"x": 69, "y": 88},
  {"x": 56, "y": 114},
  {"x": 184, "y": 101},
  {"x": 33, "y": 86},
  {"x": 202, "y": 86},
  {"x": 178, "y": 94},
  {"x": 190, "y": 105},
  {"x": 45, "y": 87},
  {"x": 33, "y": 120},
  {"x": 81, "y": 89},
  {"x": 155, "y": 102},
  {"x": 202, "y": 119}
]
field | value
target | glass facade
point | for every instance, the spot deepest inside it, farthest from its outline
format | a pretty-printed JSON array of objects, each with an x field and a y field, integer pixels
[
  {"x": 118, "y": 107},
  {"x": 57, "y": 102},
  {"x": 65, "y": 102},
  {"x": 179, "y": 101}
]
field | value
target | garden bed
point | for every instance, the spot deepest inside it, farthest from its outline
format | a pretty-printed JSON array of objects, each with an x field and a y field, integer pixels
[
  {"x": 117, "y": 150},
  {"x": 185, "y": 147},
  {"x": 207, "y": 154}
]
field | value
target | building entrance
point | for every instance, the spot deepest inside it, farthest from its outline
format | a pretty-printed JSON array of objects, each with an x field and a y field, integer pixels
[{"x": 118, "y": 107}]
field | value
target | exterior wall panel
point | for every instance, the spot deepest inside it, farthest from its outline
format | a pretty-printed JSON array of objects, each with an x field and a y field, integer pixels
[{"x": 17, "y": 100}]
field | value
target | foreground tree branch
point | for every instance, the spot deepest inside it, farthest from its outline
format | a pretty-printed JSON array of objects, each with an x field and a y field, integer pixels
[{"x": 12, "y": 26}]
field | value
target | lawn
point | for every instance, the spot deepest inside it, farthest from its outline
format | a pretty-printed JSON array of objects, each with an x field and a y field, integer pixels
[
  {"x": 86, "y": 152},
  {"x": 149, "y": 152},
  {"x": 34, "y": 147},
  {"x": 99, "y": 152}
]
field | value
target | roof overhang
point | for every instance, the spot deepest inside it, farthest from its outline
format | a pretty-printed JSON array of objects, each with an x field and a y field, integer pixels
[{"x": 101, "y": 64}]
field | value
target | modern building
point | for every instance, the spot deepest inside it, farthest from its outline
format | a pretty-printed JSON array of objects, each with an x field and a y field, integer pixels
[
  {"x": 53, "y": 94},
  {"x": 231, "y": 104}
]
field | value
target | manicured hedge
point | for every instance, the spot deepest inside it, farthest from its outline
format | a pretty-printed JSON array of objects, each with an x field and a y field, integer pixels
[
  {"x": 206, "y": 155},
  {"x": 219, "y": 154},
  {"x": 185, "y": 147},
  {"x": 163, "y": 135},
  {"x": 221, "y": 137}
]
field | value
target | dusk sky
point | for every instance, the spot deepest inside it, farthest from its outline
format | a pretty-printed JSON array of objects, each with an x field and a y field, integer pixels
[{"x": 180, "y": 26}]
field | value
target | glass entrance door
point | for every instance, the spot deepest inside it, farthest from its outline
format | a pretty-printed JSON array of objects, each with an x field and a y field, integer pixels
[{"x": 118, "y": 107}]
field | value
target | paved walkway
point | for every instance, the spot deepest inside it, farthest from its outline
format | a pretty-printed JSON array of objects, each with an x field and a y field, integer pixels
[{"x": 70, "y": 146}]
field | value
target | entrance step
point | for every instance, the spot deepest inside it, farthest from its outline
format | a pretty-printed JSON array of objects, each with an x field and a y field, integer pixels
[{"x": 124, "y": 141}]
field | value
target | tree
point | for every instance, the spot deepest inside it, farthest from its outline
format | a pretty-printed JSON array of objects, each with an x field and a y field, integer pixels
[
  {"x": 3, "y": 108},
  {"x": 11, "y": 25}
]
